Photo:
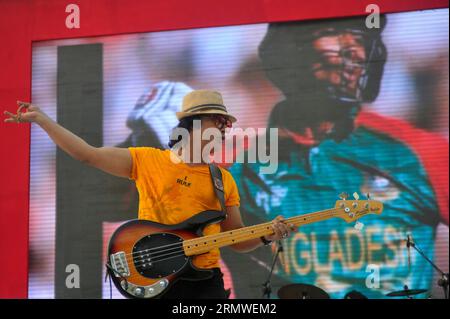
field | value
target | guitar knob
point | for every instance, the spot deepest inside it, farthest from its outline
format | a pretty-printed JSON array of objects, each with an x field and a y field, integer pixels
[{"x": 139, "y": 291}]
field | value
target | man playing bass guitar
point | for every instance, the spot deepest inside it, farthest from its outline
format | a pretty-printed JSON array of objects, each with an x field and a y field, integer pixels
[{"x": 170, "y": 192}]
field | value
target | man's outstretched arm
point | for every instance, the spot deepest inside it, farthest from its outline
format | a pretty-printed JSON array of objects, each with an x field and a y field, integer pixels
[{"x": 113, "y": 160}]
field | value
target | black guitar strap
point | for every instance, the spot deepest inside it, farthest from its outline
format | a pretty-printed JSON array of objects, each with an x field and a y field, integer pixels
[{"x": 216, "y": 177}]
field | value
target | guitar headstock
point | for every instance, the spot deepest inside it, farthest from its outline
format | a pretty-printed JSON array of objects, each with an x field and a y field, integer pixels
[{"x": 351, "y": 210}]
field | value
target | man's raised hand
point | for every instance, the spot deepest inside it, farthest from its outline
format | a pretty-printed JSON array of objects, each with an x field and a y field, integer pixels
[{"x": 31, "y": 113}]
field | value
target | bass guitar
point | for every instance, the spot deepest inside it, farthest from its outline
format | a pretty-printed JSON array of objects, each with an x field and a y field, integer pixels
[{"x": 146, "y": 258}]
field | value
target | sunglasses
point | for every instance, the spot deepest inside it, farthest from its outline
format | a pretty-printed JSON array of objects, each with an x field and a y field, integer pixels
[{"x": 221, "y": 121}]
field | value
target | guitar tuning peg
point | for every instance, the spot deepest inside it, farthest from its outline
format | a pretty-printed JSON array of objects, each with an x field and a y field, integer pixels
[
  {"x": 355, "y": 195},
  {"x": 368, "y": 196},
  {"x": 343, "y": 196}
]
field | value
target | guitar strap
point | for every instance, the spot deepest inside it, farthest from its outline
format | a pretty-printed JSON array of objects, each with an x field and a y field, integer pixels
[{"x": 216, "y": 177}]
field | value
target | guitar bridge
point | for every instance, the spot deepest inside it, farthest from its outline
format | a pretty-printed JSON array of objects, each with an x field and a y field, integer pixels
[{"x": 119, "y": 264}]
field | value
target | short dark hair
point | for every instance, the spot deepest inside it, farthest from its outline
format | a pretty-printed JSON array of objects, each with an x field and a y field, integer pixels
[{"x": 186, "y": 123}]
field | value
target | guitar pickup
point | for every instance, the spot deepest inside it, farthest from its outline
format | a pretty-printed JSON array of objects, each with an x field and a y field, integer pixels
[{"x": 119, "y": 264}]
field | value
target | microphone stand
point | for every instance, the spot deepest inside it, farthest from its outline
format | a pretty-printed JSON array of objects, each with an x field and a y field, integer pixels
[
  {"x": 443, "y": 281},
  {"x": 267, "y": 289}
]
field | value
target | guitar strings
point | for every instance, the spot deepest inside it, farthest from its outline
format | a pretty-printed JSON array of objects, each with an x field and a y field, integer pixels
[
  {"x": 225, "y": 233},
  {"x": 136, "y": 263},
  {"x": 139, "y": 259},
  {"x": 143, "y": 259},
  {"x": 180, "y": 243},
  {"x": 138, "y": 275},
  {"x": 220, "y": 236}
]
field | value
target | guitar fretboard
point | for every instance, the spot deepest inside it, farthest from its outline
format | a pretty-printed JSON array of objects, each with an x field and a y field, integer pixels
[{"x": 206, "y": 243}]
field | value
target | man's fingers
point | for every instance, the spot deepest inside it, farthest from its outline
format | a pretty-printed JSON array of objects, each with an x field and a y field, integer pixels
[
  {"x": 284, "y": 230},
  {"x": 17, "y": 117},
  {"x": 9, "y": 114},
  {"x": 12, "y": 117},
  {"x": 277, "y": 231},
  {"x": 22, "y": 107},
  {"x": 280, "y": 229},
  {"x": 24, "y": 104}
]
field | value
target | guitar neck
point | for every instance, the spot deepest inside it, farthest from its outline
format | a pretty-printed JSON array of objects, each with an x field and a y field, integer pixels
[{"x": 206, "y": 243}]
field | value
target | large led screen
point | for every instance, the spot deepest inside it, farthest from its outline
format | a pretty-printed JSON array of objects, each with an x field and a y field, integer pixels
[{"x": 356, "y": 109}]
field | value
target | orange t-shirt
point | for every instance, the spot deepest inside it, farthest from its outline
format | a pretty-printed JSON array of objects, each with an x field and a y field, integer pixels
[{"x": 170, "y": 192}]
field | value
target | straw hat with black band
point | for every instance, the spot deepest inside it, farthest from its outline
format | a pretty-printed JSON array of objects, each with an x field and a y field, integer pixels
[{"x": 203, "y": 102}]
